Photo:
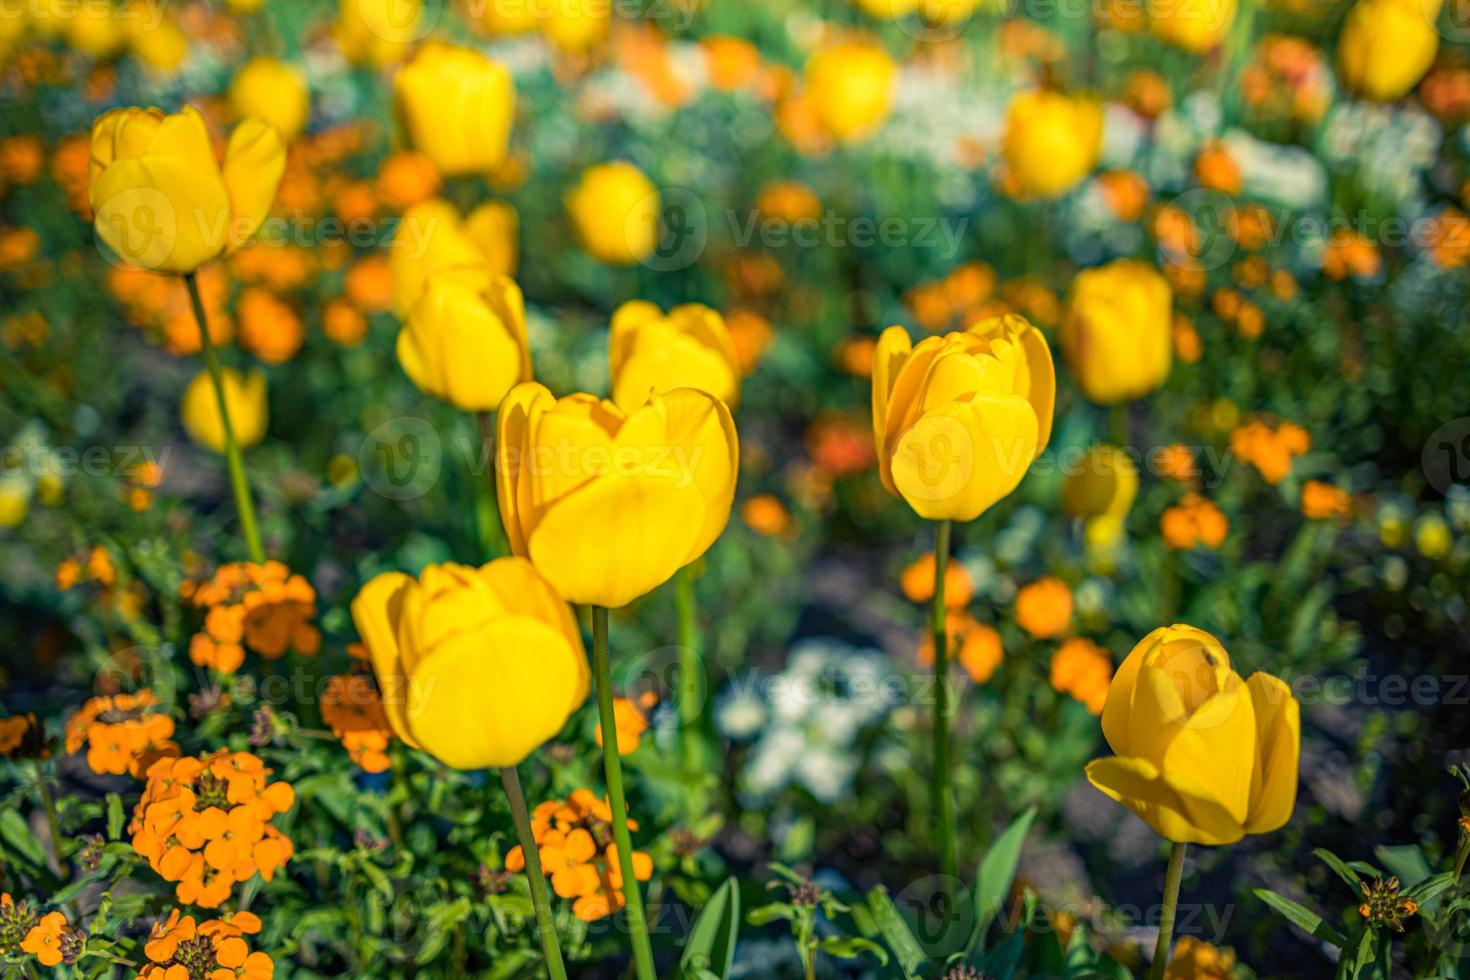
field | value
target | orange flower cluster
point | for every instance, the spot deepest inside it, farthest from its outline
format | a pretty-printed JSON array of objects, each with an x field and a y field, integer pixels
[
  {"x": 574, "y": 841},
  {"x": 269, "y": 328},
  {"x": 1287, "y": 79},
  {"x": 917, "y": 582},
  {"x": 160, "y": 305},
  {"x": 1175, "y": 462},
  {"x": 205, "y": 823},
  {"x": 1321, "y": 501},
  {"x": 1233, "y": 307},
  {"x": 23, "y": 737},
  {"x": 1449, "y": 238},
  {"x": 121, "y": 734},
  {"x": 962, "y": 296},
  {"x": 631, "y": 719},
  {"x": 179, "y": 948},
  {"x": 1270, "y": 450},
  {"x": 44, "y": 940},
  {"x": 1350, "y": 253},
  {"x": 16, "y": 922},
  {"x": 353, "y": 710},
  {"x": 1044, "y": 608},
  {"x": 977, "y": 648},
  {"x": 71, "y": 572},
  {"x": 1084, "y": 670},
  {"x": 1194, "y": 521},
  {"x": 765, "y": 514},
  {"x": 261, "y": 607}
]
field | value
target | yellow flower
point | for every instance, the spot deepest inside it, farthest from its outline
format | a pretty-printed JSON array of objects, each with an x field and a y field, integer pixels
[
  {"x": 274, "y": 91},
  {"x": 431, "y": 238},
  {"x": 1194, "y": 25},
  {"x": 1202, "y": 756},
  {"x": 576, "y": 25},
  {"x": 850, "y": 86},
  {"x": 94, "y": 31},
  {"x": 652, "y": 353},
  {"x": 477, "y": 667},
  {"x": 959, "y": 418},
  {"x": 614, "y": 210},
  {"x": 465, "y": 341},
  {"x": 244, "y": 399},
  {"x": 455, "y": 106},
  {"x": 156, "y": 39},
  {"x": 495, "y": 228},
  {"x": 1102, "y": 485},
  {"x": 161, "y": 200},
  {"x": 607, "y": 504},
  {"x": 378, "y": 32},
  {"x": 1118, "y": 331},
  {"x": 1051, "y": 142},
  {"x": 1386, "y": 46}
]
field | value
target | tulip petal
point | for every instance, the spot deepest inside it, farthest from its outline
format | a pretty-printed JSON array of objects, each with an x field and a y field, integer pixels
[
  {"x": 455, "y": 347},
  {"x": 894, "y": 347},
  {"x": 161, "y": 213},
  {"x": 254, "y": 162},
  {"x": 119, "y": 134},
  {"x": 1278, "y": 748},
  {"x": 1119, "y": 704},
  {"x": 626, "y": 322},
  {"x": 515, "y": 664},
  {"x": 1173, "y": 806},
  {"x": 512, "y": 447},
  {"x": 375, "y": 612},
  {"x": 956, "y": 461},
  {"x": 515, "y": 585}
]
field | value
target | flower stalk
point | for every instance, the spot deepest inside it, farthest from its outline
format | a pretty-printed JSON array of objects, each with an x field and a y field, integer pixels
[
  {"x": 617, "y": 802},
  {"x": 942, "y": 795},
  {"x": 1172, "y": 877},
  {"x": 691, "y": 686},
  {"x": 239, "y": 483},
  {"x": 550, "y": 947},
  {"x": 53, "y": 825}
]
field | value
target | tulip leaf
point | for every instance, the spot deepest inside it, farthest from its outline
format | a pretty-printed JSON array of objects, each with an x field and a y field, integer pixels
[
  {"x": 1301, "y": 917},
  {"x": 996, "y": 872},
  {"x": 710, "y": 949},
  {"x": 895, "y": 932},
  {"x": 1340, "y": 866}
]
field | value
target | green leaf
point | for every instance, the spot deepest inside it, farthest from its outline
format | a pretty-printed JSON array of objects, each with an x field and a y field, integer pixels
[
  {"x": 710, "y": 948},
  {"x": 850, "y": 947},
  {"x": 114, "y": 816},
  {"x": 1430, "y": 888},
  {"x": 996, "y": 872},
  {"x": 17, "y": 834},
  {"x": 1301, "y": 917},
  {"x": 770, "y": 913},
  {"x": 1407, "y": 861},
  {"x": 1340, "y": 866},
  {"x": 895, "y": 932}
]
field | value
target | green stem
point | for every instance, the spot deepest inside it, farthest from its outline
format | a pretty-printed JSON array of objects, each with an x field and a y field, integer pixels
[
  {"x": 238, "y": 481},
  {"x": 52, "y": 824},
  {"x": 691, "y": 680},
  {"x": 613, "y": 767},
  {"x": 942, "y": 796},
  {"x": 1464, "y": 853},
  {"x": 1118, "y": 429},
  {"x": 550, "y": 948},
  {"x": 487, "y": 505},
  {"x": 1171, "y": 902}
]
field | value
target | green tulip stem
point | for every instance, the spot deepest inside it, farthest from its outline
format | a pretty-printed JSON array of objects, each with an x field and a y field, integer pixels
[
  {"x": 1171, "y": 902},
  {"x": 1119, "y": 430},
  {"x": 238, "y": 481},
  {"x": 941, "y": 793},
  {"x": 550, "y": 948},
  {"x": 691, "y": 685},
  {"x": 613, "y": 766},
  {"x": 53, "y": 825}
]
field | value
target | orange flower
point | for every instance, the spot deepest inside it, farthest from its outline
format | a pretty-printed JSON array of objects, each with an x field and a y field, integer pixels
[
  {"x": 1125, "y": 192},
  {"x": 407, "y": 178},
  {"x": 568, "y": 837},
  {"x": 1216, "y": 169},
  {"x": 353, "y": 710},
  {"x": 343, "y": 323},
  {"x": 369, "y": 284},
  {"x": 1322, "y": 501},
  {"x": 730, "y": 62},
  {"x": 1194, "y": 521},
  {"x": 120, "y": 734},
  {"x": 1187, "y": 345},
  {"x": 261, "y": 607},
  {"x": 917, "y": 582},
  {"x": 1175, "y": 462},
  {"x": 23, "y": 737},
  {"x": 44, "y": 940},
  {"x": 1270, "y": 450},
  {"x": 752, "y": 335},
  {"x": 269, "y": 328},
  {"x": 1044, "y": 608},
  {"x": 974, "y": 646},
  {"x": 1350, "y": 253},
  {"x": 216, "y": 949},
  {"x": 631, "y": 719},
  {"x": 765, "y": 514},
  {"x": 1084, "y": 670}
]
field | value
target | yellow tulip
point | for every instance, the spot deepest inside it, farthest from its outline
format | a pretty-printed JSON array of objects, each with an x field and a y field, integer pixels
[
  {"x": 503, "y": 18},
  {"x": 577, "y": 25},
  {"x": 1194, "y": 25},
  {"x": 161, "y": 200},
  {"x": 244, "y": 399},
  {"x": 891, "y": 9},
  {"x": 609, "y": 505},
  {"x": 1118, "y": 332},
  {"x": 455, "y": 106},
  {"x": 1386, "y": 46},
  {"x": 850, "y": 86},
  {"x": 477, "y": 666},
  {"x": 948, "y": 12},
  {"x": 1202, "y": 756},
  {"x": 651, "y": 353},
  {"x": 244, "y": 6},
  {"x": 15, "y": 498},
  {"x": 465, "y": 341},
  {"x": 95, "y": 32},
  {"x": 1102, "y": 484},
  {"x": 430, "y": 238},
  {"x": 958, "y": 419},
  {"x": 155, "y": 37},
  {"x": 1051, "y": 142},
  {"x": 378, "y": 32},
  {"x": 495, "y": 228},
  {"x": 274, "y": 91},
  {"x": 614, "y": 210}
]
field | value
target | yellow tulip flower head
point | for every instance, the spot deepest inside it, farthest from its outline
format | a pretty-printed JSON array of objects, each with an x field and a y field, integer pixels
[
  {"x": 156, "y": 39},
  {"x": 958, "y": 419},
  {"x": 1103, "y": 483},
  {"x": 576, "y": 25},
  {"x": 429, "y": 238},
  {"x": 614, "y": 209},
  {"x": 274, "y": 91},
  {"x": 1194, "y": 25},
  {"x": 850, "y": 87},
  {"x": 652, "y": 353},
  {"x": 162, "y": 202},
  {"x": 609, "y": 505},
  {"x": 1202, "y": 756},
  {"x": 245, "y": 400},
  {"x": 495, "y": 228},
  {"x": 455, "y": 105},
  {"x": 94, "y": 31},
  {"x": 1117, "y": 334},
  {"x": 1386, "y": 46},
  {"x": 477, "y": 666},
  {"x": 1051, "y": 142},
  {"x": 379, "y": 32},
  {"x": 465, "y": 341}
]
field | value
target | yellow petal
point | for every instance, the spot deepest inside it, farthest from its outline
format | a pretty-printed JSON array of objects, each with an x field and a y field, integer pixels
[
  {"x": 957, "y": 461},
  {"x": 517, "y": 588},
  {"x": 1119, "y": 704},
  {"x": 254, "y": 162},
  {"x": 894, "y": 347},
  {"x": 457, "y": 348},
  {"x": 161, "y": 213},
  {"x": 1172, "y": 806},
  {"x": 1278, "y": 748},
  {"x": 375, "y": 612},
  {"x": 512, "y": 446}
]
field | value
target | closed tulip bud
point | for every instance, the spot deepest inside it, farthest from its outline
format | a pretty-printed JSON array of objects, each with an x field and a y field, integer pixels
[
  {"x": 495, "y": 228},
  {"x": 652, "y": 353},
  {"x": 161, "y": 200},
  {"x": 1386, "y": 46},
  {"x": 274, "y": 91},
  {"x": 477, "y": 666},
  {"x": 1051, "y": 142},
  {"x": 244, "y": 399},
  {"x": 614, "y": 210},
  {"x": 1102, "y": 484},
  {"x": 958, "y": 419},
  {"x": 378, "y": 32},
  {"x": 430, "y": 238},
  {"x": 609, "y": 505},
  {"x": 455, "y": 106},
  {"x": 850, "y": 86},
  {"x": 156, "y": 39},
  {"x": 1117, "y": 335},
  {"x": 1202, "y": 756},
  {"x": 1194, "y": 25},
  {"x": 465, "y": 341}
]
